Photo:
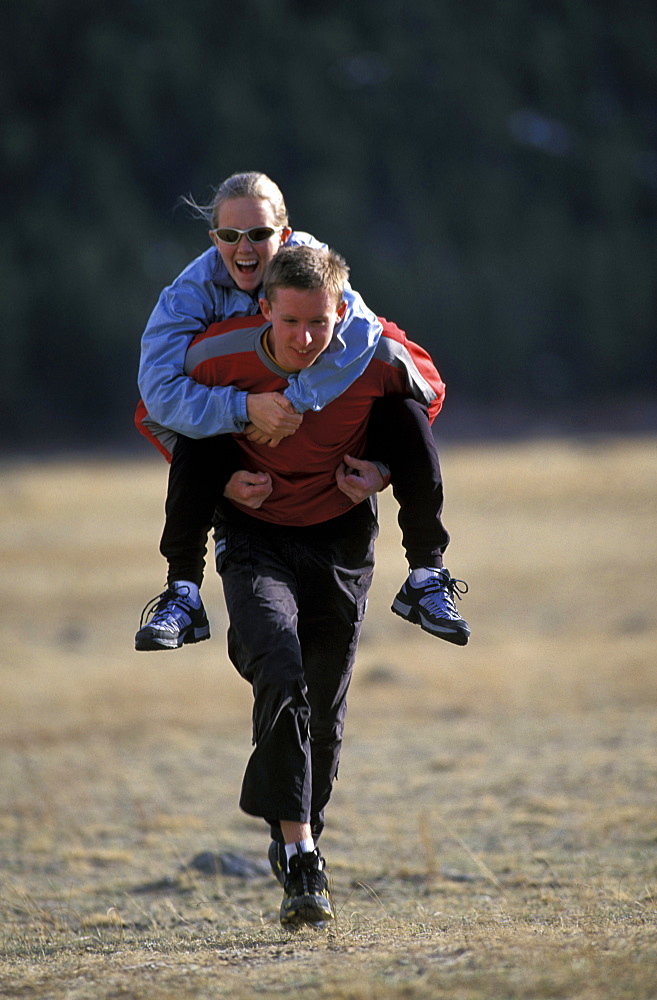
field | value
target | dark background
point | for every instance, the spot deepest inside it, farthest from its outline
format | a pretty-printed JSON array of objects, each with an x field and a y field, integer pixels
[{"x": 488, "y": 170}]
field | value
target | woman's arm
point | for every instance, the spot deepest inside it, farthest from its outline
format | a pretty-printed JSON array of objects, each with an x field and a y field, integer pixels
[
  {"x": 201, "y": 295},
  {"x": 187, "y": 307}
]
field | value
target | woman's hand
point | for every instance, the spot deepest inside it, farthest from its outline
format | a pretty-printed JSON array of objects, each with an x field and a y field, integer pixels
[
  {"x": 260, "y": 437},
  {"x": 272, "y": 414}
]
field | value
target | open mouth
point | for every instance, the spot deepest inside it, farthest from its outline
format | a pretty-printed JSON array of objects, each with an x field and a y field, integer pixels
[{"x": 246, "y": 266}]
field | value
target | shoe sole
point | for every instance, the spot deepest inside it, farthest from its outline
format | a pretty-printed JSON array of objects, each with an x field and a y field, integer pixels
[
  {"x": 188, "y": 637},
  {"x": 411, "y": 614},
  {"x": 306, "y": 911}
]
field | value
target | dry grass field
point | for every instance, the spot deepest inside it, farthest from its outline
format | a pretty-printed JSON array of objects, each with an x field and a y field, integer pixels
[{"x": 493, "y": 833}]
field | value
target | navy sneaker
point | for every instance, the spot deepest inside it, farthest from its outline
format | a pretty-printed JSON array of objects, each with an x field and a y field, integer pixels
[
  {"x": 173, "y": 621},
  {"x": 307, "y": 900},
  {"x": 431, "y": 606},
  {"x": 278, "y": 861}
]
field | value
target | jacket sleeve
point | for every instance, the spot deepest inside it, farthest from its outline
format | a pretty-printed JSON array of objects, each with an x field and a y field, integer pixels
[{"x": 185, "y": 308}]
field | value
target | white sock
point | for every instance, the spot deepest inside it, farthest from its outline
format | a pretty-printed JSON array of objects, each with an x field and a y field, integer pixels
[
  {"x": 305, "y": 846},
  {"x": 423, "y": 573},
  {"x": 189, "y": 591}
]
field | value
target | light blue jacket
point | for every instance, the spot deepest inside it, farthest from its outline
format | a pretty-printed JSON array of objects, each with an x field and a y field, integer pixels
[{"x": 205, "y": 293}]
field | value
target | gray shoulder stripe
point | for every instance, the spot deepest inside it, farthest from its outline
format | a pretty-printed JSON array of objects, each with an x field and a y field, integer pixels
[
  {"x": 393, "y": 353},
  {"x": 221, "y": 345}
]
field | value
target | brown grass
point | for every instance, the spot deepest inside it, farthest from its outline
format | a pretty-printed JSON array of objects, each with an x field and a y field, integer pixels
[{"x": 494, "y": 830}]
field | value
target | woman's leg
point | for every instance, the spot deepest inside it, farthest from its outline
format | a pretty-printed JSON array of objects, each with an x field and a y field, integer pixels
[
  {"x": 197, "y": 477},
  {"x": 400, "y": 435}
]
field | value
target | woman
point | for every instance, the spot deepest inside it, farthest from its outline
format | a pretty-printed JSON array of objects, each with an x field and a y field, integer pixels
[{"x": 249, "y": 222}]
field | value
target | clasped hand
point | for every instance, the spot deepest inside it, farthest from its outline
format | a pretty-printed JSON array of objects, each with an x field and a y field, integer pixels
[{"x": 272, "y": 418}]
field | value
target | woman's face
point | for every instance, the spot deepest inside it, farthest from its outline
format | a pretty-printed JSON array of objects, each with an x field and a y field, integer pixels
[{"x": 246, "y": 261}]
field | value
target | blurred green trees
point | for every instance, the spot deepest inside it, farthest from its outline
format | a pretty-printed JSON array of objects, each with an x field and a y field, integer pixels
[{"x": 489, "y": 171}]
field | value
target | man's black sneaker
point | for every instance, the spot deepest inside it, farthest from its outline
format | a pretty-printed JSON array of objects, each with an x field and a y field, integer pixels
[
  {"x": 432, "y": 607},
  {"x": 173, "y": 621},
  {"x": 307, "y": 900},
  {"x": 278, "y": 861}
]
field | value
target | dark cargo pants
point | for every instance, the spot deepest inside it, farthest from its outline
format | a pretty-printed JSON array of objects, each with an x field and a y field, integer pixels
[{"x": 296, "y": 598}]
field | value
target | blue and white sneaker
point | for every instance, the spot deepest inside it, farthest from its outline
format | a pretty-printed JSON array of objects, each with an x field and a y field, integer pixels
[
  {"x": 173, "y": 621},
  {"x": 427, "y": 599}
]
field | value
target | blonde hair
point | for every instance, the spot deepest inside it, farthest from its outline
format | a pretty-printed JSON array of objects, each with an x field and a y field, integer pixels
[
  {"x": 246, "y": 185},
  {"x": 307, "y": 268}
]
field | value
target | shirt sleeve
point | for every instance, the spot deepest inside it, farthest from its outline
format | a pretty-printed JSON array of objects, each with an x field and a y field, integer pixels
[
  {"x": 185, "y": 308},
  {"x": 408, "y": 369}
]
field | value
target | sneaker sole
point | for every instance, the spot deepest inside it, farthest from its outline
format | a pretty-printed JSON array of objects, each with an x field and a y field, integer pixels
[
  {"x": 304, "y": 911},
  {"x": 458, "y": 636},
  {"x": 151, "y": 643}
]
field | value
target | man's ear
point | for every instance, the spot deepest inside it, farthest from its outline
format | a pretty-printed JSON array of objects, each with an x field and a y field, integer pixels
[
  {"x": 265, "y": 308},
  {"x": 342, "y": 308}
]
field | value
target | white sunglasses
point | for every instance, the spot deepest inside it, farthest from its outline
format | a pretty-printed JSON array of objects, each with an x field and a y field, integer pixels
[{"x": 257, "y": 234}]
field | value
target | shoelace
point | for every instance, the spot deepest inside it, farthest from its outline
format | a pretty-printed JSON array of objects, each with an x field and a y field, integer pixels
[
  {"x": 311, "y": 876},
  {"x": 448, "y": 587},
  {"x": 159, "y": 604}
]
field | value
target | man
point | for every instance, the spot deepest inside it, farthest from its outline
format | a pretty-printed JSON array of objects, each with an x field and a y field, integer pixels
[{"x": 295, "y": 550}]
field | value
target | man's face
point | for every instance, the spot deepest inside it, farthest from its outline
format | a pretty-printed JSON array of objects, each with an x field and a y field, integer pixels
[{"x": 302, "y": 321}]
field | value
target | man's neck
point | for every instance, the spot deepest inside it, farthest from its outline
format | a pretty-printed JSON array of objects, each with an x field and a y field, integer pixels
[{"x": 270, "y": 354}]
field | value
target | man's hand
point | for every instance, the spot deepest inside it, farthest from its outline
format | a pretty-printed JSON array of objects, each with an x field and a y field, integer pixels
[
  {"x": 251, "y": 489},
  {"x": 272, "y": 413},
  {"x": 358, "y": 479}
]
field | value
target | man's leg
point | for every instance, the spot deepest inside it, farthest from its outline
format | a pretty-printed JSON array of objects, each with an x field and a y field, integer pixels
[
  {"x": 260, "y": 589},
  {"x": 335, "y": 573},
  {"x": 335, "y": 579},
  {"x": 296, "y": 600},
  {"x": 400, "y": 435},
  {"x": 197, "y": 477}
]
